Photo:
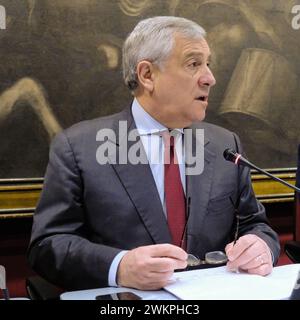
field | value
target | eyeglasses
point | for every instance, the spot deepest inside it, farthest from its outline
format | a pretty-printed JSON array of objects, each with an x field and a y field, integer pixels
[{"x": 213, "y": 257}]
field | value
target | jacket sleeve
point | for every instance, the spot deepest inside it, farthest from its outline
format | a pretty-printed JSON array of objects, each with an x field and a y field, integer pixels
[{"x": 59, "y": 249}]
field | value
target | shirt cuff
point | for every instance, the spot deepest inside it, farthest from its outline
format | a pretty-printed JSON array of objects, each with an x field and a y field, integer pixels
[{"x": 112, "y": 274}]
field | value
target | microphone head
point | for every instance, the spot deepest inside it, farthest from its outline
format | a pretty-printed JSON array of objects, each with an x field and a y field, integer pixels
[{"x": 230, "y": 155}]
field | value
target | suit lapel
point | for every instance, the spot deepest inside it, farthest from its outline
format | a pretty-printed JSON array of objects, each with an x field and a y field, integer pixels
[
  {"x": 139, "y": 183},
  {"x": 198, "y": 189}
]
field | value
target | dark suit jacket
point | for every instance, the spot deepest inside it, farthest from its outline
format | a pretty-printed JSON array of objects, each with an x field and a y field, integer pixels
[{"x": 89, "y": 212}]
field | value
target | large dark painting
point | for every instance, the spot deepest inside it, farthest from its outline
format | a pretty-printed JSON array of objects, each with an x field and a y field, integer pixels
[{"x": 61, "y": 63}]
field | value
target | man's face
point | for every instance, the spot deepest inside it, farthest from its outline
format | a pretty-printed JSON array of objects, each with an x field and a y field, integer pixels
[{"x": 182, "y": 84}]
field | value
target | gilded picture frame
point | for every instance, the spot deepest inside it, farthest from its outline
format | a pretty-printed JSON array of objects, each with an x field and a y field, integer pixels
[{"x": 61, "y": 63}]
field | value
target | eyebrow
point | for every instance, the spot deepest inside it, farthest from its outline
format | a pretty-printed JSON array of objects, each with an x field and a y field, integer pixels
[{"x": 196, "y": 53}]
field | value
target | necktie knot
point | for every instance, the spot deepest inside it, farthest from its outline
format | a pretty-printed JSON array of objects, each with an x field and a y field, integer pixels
[
  {"x": 169, "y": 139},
  {"x": 169, "y": 149},
  {"x": 172, "y": 139}
]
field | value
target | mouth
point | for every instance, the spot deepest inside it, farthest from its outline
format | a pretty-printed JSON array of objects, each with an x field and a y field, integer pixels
[{"x": 202, "y": 98}]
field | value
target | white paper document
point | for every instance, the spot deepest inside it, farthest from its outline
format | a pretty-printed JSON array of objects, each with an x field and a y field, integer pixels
[{"x": 221, "y": 284}]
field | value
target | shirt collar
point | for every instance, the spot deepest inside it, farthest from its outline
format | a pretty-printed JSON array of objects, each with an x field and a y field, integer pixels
[{"x": 145, "y": 123}]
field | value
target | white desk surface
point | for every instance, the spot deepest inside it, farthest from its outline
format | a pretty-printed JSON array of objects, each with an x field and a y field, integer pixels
[
  {"x": 282, "y": 280},
  {"x": 93, "y": 293}
]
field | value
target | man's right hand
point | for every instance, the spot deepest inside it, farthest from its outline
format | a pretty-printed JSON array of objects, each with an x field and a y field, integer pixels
[{"x": 150, "y": 267}]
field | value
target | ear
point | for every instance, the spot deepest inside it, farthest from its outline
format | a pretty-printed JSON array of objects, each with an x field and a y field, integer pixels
[{"x": 145, "y": 73}]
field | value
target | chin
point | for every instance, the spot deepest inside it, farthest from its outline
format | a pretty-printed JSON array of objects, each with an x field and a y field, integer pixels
[{"x": 199, "y": 116}]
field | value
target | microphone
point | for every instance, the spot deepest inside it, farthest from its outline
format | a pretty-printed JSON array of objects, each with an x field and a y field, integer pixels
[
  {"x": 238, "y": 159},
  {"x": 3, "y": 283}
]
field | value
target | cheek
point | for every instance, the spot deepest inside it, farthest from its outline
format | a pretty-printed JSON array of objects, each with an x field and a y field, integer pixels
[
  {"x": 168, "y": 89},
  {"x": 182, "y": 85},
  {"x": 198, "y": 111},
  {"x": 177, "y": 91}
]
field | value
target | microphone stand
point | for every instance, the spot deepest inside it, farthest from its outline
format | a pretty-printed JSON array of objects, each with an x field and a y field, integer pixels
[
  {"x": 252, "y": 166},
  {"x": 233, "y": 156}
]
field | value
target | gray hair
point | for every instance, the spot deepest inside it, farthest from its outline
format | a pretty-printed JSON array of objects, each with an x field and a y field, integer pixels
[{"x": 152, "y": 39}]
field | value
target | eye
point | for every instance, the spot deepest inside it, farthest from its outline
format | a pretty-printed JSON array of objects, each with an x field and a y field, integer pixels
[{"x": 194, "y": 64}]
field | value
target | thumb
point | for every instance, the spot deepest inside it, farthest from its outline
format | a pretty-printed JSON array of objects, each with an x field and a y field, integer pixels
[{"x": 228, "y": 248}]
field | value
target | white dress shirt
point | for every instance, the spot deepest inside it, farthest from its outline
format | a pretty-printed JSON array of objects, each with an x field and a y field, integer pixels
[{"x": 149, "y": 131}]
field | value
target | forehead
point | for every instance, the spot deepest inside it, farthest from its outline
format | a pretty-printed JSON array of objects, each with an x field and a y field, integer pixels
[{"x": 185, "y": 47}]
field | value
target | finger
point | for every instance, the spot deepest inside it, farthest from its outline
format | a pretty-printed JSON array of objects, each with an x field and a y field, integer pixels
[
  {"x": 249, "y": 254},
  {"x": 159, "y": 276},
  {"x": 262, "y": 270},
  {"x": 166, "y": 264},
  {"x": 228, "y": 248},
  {"x": 167, "y": 250},
  {"x": 154, "y": 281},
  {"x": 256, "y": 262},
  {"x": 242, "y": 244},
  {"x": 158, "y": 285},
  {"x": 267, "y": 250},
  {"x": 153, "y": 277}
]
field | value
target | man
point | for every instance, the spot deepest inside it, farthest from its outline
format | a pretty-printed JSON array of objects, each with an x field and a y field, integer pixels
[{"x": 101, "y": 223}]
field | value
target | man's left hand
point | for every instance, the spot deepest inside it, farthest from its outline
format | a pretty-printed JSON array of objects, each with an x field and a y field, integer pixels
[{"x": 250, "y": 253}]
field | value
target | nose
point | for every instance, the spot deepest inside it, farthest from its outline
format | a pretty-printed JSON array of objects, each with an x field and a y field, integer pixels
[{"x": 207, "y": 78}]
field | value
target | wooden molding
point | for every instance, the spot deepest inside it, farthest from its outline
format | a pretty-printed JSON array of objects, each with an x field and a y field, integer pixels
[
  {"x": 18, "y": 197},
  {"x": 270, "y": 191}
]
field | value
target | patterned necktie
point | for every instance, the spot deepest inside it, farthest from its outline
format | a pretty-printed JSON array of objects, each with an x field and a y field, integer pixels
[{"x": 174, "y": 194}]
